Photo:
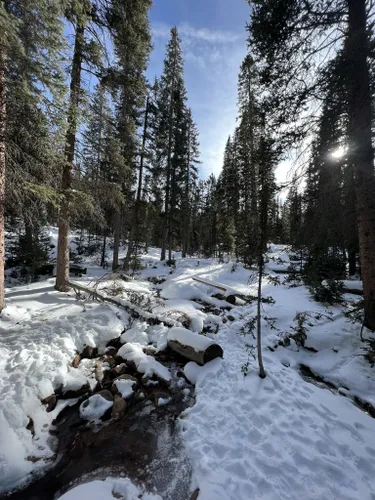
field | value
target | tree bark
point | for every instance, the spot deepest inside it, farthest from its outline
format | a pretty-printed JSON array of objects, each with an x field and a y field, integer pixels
[
  {"x": 361, "y": 150},
  {"x": 104, "y": 249},
  {"x": 186, "y": 226},
  {"x": 62, "y": 263},
  {"x": 193, "y": 346},
  {"x": 116, "y": 243},
  {"x": 2, "y": 163},
  {"x": 167, "y": 223},
  {"x": 134, "y": 234}
]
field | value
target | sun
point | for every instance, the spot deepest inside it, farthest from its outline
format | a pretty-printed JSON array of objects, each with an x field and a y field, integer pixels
[{"x": 339, "y": 152}]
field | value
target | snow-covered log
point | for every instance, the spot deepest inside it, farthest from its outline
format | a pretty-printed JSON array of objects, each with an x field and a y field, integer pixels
[
  {"x": 135, "y": 311},
  {"x": 230, "y": 295},
  {"x": 193, "y": 346}
]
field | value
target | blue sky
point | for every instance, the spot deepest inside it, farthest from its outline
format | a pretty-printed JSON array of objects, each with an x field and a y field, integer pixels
[{"x": 214, "y": 43}]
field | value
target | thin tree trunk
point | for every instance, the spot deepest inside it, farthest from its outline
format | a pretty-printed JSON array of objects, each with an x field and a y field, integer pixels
[
  {"x": 262, "y": 373},
  {"x": 29, "y": 240},
  {"x": 62, "y": 263},
  {"x": 2, "y": 163},
  {"x": 104, "y": 248},
  {"x": 116, "y": 243},
  {"x": 361, "y": 150},
  {"x": 134, "y": 233},
  {"x": 186, "y": 227},
  {"x": 352, "y": 255}
]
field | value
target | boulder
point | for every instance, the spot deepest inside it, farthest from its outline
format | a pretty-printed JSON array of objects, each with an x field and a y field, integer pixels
[
  {"x": 119, "y": 407},
  {"x": 51, "y": 402},
  {"x": 111, "y": 351},
  {"x": 89, "y": 352},
  {"x": 97, "y": 407},
  {"x": 76, "y": 360},
  {"x": 118, "y": 370},
  {"x": 127, "y": 379},
  {"x": 74, "y": 393},
  {"x": 116, "y": 343},
  {"x": 106, "y": 395},
  {"x": 110, "y": 360}
]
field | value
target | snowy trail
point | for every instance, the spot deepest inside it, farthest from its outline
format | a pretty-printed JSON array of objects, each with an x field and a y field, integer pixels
[{"x": 277, "y": 438}]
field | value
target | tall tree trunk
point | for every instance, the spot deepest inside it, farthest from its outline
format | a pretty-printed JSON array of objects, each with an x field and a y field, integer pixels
[
  {"x": 134, "y": 232},
  {"x": 186, "y": 225},
  {"x": 2, "y": 162},
  {"x": 62, "y": 263},
  {"x": 361, "y": 150},
  {"x": 104, "y": 249},
  {"x": 116, "y": 243},
  {"x": 166, "y": 236},
  {"x": 262, "y": 372}
]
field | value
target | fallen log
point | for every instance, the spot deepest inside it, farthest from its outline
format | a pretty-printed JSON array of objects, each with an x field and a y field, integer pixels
[
  {"x": 193, "y": 346},
  {"x": 230, "y": 295},
  {"x": 135, "y": 311},
  {"x": 353, "y": 291}
]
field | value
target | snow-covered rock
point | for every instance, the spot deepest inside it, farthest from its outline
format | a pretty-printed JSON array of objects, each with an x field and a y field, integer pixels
[
  {"x": 147, "y": 365},
  {"x": 108, "y": 490},
  {"x": 96, "y": 406},
  {"x": 125, "y": 385}
]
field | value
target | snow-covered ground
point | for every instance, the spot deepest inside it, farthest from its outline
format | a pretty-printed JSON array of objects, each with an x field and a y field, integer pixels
[{"x": 246, "y": 438}]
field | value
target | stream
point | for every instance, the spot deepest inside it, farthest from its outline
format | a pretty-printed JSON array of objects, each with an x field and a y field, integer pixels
[
  {"x": 143, "y": 445},
  {"x": 309, "y": 376}
]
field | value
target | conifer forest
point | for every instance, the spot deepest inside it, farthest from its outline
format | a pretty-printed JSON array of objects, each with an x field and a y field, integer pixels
[{"x": 173, "y": 326}]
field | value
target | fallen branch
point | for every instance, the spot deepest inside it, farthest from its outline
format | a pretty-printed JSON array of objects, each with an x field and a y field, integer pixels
[
  {"x": 230, "y": 295},
  {"x": 135, "y": 311}
]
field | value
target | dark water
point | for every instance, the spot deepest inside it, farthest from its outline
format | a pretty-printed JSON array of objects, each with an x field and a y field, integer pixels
[
  {"x": 143, "y": 445},
  {"x": 309, "y": 376}
]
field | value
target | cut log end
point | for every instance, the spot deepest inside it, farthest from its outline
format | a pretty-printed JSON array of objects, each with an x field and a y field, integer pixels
[
  {"x": 212, "y": 352},
  {"x": 193, "y": 346}
]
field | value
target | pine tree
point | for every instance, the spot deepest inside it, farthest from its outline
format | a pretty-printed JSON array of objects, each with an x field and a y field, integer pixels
[
  {"x": 131, "y": 35},
  {"x": 171, "y": 98},
  {"x": 288, "y": 58},
  {"x": 80, "y": 13},
  {"x": 31, "y": 45},
  {"x": 189, "y": 179}
]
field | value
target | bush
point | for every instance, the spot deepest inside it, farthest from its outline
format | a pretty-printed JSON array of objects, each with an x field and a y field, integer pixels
[
  {"x": 329, "y": 291},
  {"x": 29, "y": 256}
]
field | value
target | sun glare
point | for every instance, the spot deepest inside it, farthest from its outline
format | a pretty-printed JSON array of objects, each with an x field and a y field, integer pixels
[{"x": 338, "y": 153}]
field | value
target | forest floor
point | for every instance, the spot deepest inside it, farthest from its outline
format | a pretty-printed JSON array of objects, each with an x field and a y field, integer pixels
[{"x": 304, "y": 431}]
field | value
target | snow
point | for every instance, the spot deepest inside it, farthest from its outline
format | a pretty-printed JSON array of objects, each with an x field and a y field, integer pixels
[
  {"x": 125, "y": 387},
  {"x": 136, "y": 334},
  {"x": 94, "y": 408},
  {"x": 282, "y": 437},
  {"x": 196, "y": 373},
  {"x": 164, "y": 401},
  {"x": 109, "y": 489},
  {"x": 40, "y": 332},
  {"x": 278, "y": 438},
  {"x": 188, "y": 338},
  {"x": 145, "y": 364},
  {"x": 180, "y": 307}
]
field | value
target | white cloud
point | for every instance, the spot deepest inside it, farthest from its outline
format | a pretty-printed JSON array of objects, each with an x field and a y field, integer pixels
[
  {"x": 161, "y": 30},
  {"x": 212, "y": 61}
]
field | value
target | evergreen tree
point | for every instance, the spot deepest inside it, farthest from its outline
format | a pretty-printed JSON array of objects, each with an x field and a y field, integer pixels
[
  {"x": 131, "y": 35},
  {"x": 31, "y": 70},
  {"x": 80, "y": 13},
  {"x": 286, "y": 38}
]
